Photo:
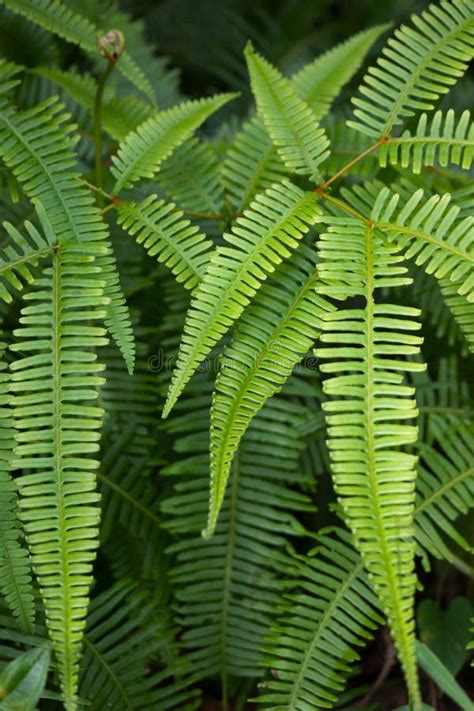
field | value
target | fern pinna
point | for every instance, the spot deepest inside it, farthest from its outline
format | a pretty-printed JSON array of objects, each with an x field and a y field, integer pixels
[{"x": 240, "y": 532}]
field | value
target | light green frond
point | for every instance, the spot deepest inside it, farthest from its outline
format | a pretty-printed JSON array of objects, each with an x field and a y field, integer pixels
[
  {"x": 271, "y": 338},
  {"x": 52, "y": 382},
  {"x": 373, "y": 478},
  {"x": 265, "y": 235},
  {"x": 291, "y": 124},
  {"x": 227, "y": 586},
  {"x": 445, "y": 140},
  {"x": 331, "y": 611},
  {"x": 251, "y": 165},
  {"x": 166, "y": 235},
  {"x": 23, "y": 253},
  {"x": 125, "y": 632},
  {"x": 320, "y": 81},
  {"x": 191, "y": 177},
  {"x": 417, "y": 65},
  {"x": 56, "y": 17},
  {"x": 144, "y": 149},
  {"x": 120, "y": 114},
  {"x": 15, "y": 574}
]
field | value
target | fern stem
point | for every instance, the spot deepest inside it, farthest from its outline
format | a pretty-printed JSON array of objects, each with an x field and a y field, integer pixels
[
  {"x": 351, "y": 163},
  {"x": 343, "y": 205},
  {"x": 99, "y": 171}
]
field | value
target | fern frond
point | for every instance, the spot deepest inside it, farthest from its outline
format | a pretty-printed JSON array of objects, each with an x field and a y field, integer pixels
[
  {"x": 23, "y": 253},
  {"x": 373, "y": 479},
  {"x": 124, "y": 633},
  {"x": 8, "y": 76},
  {"x": 320, "y": 81},
  {"x": 144, "y": 149},
  {"x": 53, "y": 379},
  {"x": 227, "y": 586},
  {"x": 271, "y": 338},
  {"x": 418, "y": 65},
  {"x": 446, "y": 140},
  {"x": 166, "y": 235},
  {"x": 56, "y": 17},
  {"x": 292, "y": 126},
  {"x": 15, "y": 574},
  {"x": 333, "y": 611},
  {"x": 266, "y": 234},
  {"x": 461, "y": 309}
]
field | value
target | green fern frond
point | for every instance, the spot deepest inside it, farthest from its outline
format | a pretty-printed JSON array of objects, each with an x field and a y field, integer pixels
[
  {"x": 144, "y": 149},
  {"x": 23, "y": 253},
  {"x": 57, "y": 437},
  {"x": 416, "y": 67},
  {"x": 320, "y": 81},
  {"x": 446, "y": 140},
  {"x": 8, "y": 76},
  {"x": 166, "y": 235},
  {"x": 291, "y": 124},
  {"x": 373, "y": 479},
  {"x": 271, "y": 338},
  {"x": 56, "y": 17},
  {"x": 227, "y": 586},
  {"x": 124, "y": 633},
  {"x": 461, "y": 309},
  {"x": 266, "y": 234},
  {"x": 15, "y": 574},
  {"x": 312, "y": 648}
]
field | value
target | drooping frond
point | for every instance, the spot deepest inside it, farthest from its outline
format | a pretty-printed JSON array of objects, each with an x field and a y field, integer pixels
[
  {"x": 417, "y": 65},
  {"x": 266, "y": 234},
  {"x": 320, "y": 81},
  {"x": 15, "y": 575},
  {"x": 227, "y": 586},
  {"x": 125, "y": 632},
  {"x": 373, "y": 479},
  {"x": 168, "y": 236},
  {"x": 144, "y": 149},
  {"x": 291, "y": 124},
  {"x": 331, "y": 611},
  {"x": 273, "y": 335},
  {"x": 23, "y": 253},
  {"x": 52, "y": 381},
  {"x": 56, "y": 17}
]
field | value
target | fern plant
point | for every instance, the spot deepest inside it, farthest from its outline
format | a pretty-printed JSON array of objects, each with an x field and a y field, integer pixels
[{"x": 243, "y": 531}]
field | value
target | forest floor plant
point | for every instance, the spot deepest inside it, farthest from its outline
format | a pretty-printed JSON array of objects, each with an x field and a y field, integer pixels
[{"x": 316, "y": 268}]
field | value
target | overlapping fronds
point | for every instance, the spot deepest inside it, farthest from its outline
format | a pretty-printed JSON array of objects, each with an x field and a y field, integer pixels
[
  {"x": 373, "y": 478},
  {"x": 24, "y": 252},
  {"x": 291, "y": 124},
  {"x": 444, "y": 140},
  {"x": 56, "y": 17},
  {"x": 52, "y": 380},
  {"x": 320, "y": 81},
  {"x": 168, "y": 236},
  {"x": 227, "y": 586},
  {"x": 331, "y": 611},
  {"x": 144, "y": 149},
  {"x": 266, "y": 234},
  {"x": 417, "y": 65},
  {"x": 15, "y": 575},
  {"x": 273, "y": 335},
  {"x": 125, "y": 631}
]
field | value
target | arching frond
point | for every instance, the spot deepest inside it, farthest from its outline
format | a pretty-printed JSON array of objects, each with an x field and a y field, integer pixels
[
  {"x": 56, "y": 17},
  {"x": 227, "y": 586},
  {"x": 445, "y": 140},
  {"x": 266, "y": 234},
  {"x": 23, "y": 253},
  {"x": 166, "y": 235},
  {"x": 273, "y": 335},
  {"x": 417, "y": 65},
  {"x": 15, "y": 575},
  {"x": 144, "y": 149},
  {"x": 291, "y": 124},
  {"x": 125, "y": 631},
  {"x": 373, "y": 479},
  {"x": 52, "y": 380},
  {"x": 320, "y": 81}
]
